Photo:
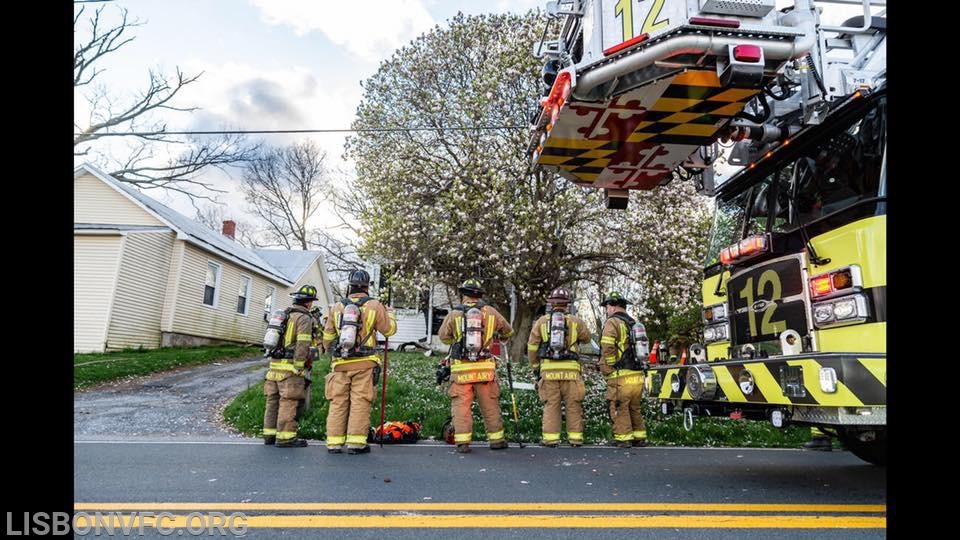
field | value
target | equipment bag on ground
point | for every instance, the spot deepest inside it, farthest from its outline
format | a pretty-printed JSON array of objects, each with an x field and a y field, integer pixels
[{"x": 395, "y": 432}]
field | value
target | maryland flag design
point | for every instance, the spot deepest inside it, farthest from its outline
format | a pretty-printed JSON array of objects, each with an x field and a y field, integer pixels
[{"x": 633, "y": 141}]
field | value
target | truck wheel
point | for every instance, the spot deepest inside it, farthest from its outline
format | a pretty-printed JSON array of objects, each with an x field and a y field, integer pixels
[{"x": 869, "y": 445}]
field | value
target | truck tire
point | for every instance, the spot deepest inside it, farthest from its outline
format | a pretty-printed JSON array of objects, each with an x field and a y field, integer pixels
[{"x": 872, "y": 450}]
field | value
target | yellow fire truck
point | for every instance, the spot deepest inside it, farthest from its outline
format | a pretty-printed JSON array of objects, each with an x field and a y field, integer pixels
[{"x": 642, "y": 92}]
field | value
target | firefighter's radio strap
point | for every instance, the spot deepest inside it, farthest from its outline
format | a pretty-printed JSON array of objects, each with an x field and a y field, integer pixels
[{"x": 361, "y": 352}]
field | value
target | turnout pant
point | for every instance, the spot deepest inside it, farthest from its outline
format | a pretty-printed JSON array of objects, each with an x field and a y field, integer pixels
[
  {"x": 554, "y": 395},
  {"x": 624, "y": 398},
  {"x": 351, "y": 395},
  {"x": 280, "y": 416},
  {"x": 461, "y": 402}
]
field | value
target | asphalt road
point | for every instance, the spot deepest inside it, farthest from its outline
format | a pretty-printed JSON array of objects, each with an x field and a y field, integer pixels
[
  {"x": 420, "y": 491},
  {"x": 158, "y": 444}
]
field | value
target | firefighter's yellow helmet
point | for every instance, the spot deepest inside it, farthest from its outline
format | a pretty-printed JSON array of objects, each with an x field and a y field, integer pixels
[
  {"x": 307, "y": 292},
  {"x": 472, "y": 287}
]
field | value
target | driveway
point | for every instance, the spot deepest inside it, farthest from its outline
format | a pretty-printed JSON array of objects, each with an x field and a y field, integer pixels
[{"x": 183, "y": 403}]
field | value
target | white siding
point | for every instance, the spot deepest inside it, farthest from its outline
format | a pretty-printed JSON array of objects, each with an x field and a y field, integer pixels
[
  {"x": 193, "y": 318},
  {"x": 314, "y": 275},
  {"x": 95, "y": 264},
  {"x": 411, "y": 326},
  {"x": 141, "y": 287},
  {"x": 96, "y": 202}
]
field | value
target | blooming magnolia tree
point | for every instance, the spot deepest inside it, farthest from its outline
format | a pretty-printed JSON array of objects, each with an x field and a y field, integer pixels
[{"x": 449, "y": 193}]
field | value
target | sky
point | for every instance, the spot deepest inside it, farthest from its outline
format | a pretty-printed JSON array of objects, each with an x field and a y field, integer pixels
[
  {"x": 272, "y": 64},
  {"x": 269, "y": 64}
]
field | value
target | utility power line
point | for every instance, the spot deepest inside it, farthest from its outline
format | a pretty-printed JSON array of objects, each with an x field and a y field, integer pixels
[{"x": 268, "y": 131}]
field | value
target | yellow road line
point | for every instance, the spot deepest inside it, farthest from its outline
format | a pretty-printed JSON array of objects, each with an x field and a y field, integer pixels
[
  {"x": 485, "y": 506},
  {"x": 468, "y": 521}
]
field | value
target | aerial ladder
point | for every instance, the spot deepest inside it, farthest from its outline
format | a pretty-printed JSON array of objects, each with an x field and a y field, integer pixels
[{"x": 639, "y": 92}]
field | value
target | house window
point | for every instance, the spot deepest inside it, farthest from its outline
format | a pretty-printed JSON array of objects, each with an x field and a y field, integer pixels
[
  {"x": 268, "y": 303},
  {"x": 211, "y": 284},
  {"x": 243, "y": 295}
]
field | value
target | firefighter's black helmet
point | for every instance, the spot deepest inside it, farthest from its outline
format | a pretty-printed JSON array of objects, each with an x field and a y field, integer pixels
[
  {"x": 305, "y": 293},
  {"x": 359, "y": 278},
  {"x": 472, "y": 287},
  {"x": 614, "y": 299}
]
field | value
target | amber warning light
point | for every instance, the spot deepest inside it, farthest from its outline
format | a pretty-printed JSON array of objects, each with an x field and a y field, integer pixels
[{"x": 744, "y": 249}]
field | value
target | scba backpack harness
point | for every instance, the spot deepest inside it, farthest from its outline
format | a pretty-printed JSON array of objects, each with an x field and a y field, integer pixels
[
  {"x": 347, "y": 345},
  {"x": 637, "y": 345},
  {"x": 276, "y": 330}
]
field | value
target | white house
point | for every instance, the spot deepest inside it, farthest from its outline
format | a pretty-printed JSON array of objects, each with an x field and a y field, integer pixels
[{"x": 147, "y": 276}]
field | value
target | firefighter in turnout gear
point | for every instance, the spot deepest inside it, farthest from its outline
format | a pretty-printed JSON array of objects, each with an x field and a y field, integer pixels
[
  {"x": 622, "y": 367},
  {"x": 553, "y": 354},
  {"x": 285, "y": 385},
  {"x": 469, "y": 330},
  {"x": 350, "y": 334}
]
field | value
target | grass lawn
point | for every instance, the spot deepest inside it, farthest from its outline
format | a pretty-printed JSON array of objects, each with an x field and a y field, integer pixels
[
  {"x": 412, "y": 394},
  {"x": 96, "y": 368}
]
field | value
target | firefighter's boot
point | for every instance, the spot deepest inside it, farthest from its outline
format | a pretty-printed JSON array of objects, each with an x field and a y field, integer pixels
[
  {"x": 361, "y": 450},
  {"x": 269, "y": 439},
  {"x": 820, "y": 442},
  {"x": 640, "y": 443},
  {"x": 498, "y": 445},
  {"x": 292, "y": 443},
  {"x": 463, "y": 448}
]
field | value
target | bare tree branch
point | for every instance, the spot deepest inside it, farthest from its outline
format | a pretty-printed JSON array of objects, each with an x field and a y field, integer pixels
[
  {"x": 153, "y": 161},
  {"x": 284, "y": 188}
]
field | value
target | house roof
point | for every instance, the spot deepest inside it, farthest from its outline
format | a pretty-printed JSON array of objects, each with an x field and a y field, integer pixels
[
  {"x": 292, "y": 263},
  {"x": 190, "y": 230},
  {"x": 118, "y": 228}
]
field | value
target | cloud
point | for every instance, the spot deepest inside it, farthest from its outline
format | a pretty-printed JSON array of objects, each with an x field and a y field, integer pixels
[
  {"x": 371, "y": 30},
  {"x": 236, "y": 96},
  {"x": 241, "y": 96}
]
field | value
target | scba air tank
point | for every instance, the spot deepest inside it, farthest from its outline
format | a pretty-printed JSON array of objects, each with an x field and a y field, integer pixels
[
  {"x": 640, "y": 340},
  {"x": 349, "y": 324},
  {"x": 473, "y": 333},
  {"x": 274, "y": 326},
  {"x": 558, "y": 330}
]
